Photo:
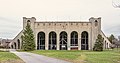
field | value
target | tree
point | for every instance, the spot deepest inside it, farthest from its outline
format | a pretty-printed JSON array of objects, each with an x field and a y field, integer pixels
[
  {"x": 28, "y": 40},
  {"x": 119, "y": 38},
  {"x": 117, "y": 44},
  {"x": 98, "y": 46},
  {"x": 115, "y": 41},
  {"x": 111, "y": 38}
]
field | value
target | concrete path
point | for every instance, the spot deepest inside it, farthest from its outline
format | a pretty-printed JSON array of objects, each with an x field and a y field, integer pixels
[{"x": 35, "y": 58}]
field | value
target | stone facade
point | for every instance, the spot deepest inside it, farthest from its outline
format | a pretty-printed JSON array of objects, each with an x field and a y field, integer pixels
[{"x": 67, "y": 35}]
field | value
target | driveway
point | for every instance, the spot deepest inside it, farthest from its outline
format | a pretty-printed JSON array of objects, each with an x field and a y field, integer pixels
[{"x": 35, "y": 58}]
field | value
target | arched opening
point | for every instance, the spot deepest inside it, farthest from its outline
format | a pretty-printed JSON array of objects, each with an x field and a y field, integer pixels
[
  {"x": 74, "y": 38},
  {"x": 15, "y": 45},
  {"x": 52, "y": 41},
  {"x": 105, "y": 44},
  {"x": 41, "y": 41},
  {"x": 28, "y": 21},
  {"x": 84, "y": 40},
  {"x": 63, "y": 40},
  {"x": 12, "y": 46},
  {"x": 18, "y": 41},
  {"x": 96, "y": 22}
]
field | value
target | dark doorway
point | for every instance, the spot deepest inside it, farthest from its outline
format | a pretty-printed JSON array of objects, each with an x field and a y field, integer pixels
[
  {"x": 63, "y": 40},
  {"x": 105, "y": 44},
  {"x": 74, "y": 38},
  {"x": 12, "y": 46},
  {"x": 18, "y": 43},
  {"x": 84, "y": 40},
  {"x": 52, "y": 41},
  {"x": 41, "y": 41},
  {"x": 15, "y": 45}
]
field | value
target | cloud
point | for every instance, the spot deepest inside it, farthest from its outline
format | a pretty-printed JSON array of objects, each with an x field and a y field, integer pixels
[{"x": 12, "y": 11}]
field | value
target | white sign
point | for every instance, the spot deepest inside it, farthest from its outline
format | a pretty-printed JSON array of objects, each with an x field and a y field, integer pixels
[{"x": 63, "y": 46}]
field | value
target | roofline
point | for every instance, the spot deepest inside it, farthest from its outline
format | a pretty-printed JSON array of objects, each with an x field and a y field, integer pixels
[
  {"x": 18, "y": 34},
  {"x": 61, "y": 22},
  {"x": 104, "y": 35}
]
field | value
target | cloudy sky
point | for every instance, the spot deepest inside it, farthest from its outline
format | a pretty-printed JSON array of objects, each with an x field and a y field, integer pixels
[{"x": 12, "y": 11}]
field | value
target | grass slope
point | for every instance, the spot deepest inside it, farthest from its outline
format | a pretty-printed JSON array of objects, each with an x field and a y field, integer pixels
[
  {"x": 7, "y": 57},
  {"x": 82, "y": 56}
]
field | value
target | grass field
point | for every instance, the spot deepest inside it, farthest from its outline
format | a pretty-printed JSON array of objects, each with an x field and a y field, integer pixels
[
  {"x": 111, "y": 56},
  {"x": 7, "y": 57}
]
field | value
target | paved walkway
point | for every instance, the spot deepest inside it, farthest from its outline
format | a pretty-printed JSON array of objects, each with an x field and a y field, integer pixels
[{"x": 35, "y": 58}]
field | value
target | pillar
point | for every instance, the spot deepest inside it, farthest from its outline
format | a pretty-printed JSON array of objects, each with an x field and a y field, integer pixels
[
  {"x": 79, "y": 41},
  {"x": 68, "y": 42},
  {"x": 46, "y": 41},
  {"x": 36, "y": 38},
  {"x": 58, "y": 42},
  {"x": 89, "y": 41}
]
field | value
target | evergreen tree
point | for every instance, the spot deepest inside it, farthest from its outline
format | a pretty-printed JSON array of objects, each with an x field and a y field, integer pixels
[
  {"x": 28, "y": 40},
  {"x": 98, "y": 46}
]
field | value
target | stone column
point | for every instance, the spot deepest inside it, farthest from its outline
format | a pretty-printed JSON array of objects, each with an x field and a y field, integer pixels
[
  {"x": 58, "y": 42},
  {"x": 16, "y": 44},
  {"x": 79, "y": 41},
  {"x": 89, "y": 42},
  {"x": 36, "y": 38},
  {"x": 68, "y": 42},
  {"x": 20, "y": 44},
  {"x": 46, "y": 41}
]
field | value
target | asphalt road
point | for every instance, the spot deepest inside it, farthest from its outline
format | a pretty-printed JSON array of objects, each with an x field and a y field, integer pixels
[{"x": 35, "y": 58}]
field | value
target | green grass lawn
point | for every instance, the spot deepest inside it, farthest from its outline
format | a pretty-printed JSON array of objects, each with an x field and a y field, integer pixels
[
  {"x": 7, "y": 57},
  {"x": 83, "y": 56}
]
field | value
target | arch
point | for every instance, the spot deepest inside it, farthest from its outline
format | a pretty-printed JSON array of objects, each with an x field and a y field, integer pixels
[
  {"x": 28, "y": 21},
  {"x": 96, "y": 22},
  {"x": 18, "y": 41},
  {"x": 74, "y": 38},
  {"x": 12, "y": 46},
  {"x": 84, "y": 40},
  {"x": 52, "y": 40},
  {"x": 41, "y": 41},
  {"x": 105, "y": 44},
  {"x": 63, "y": 40},
  {"x": 15, "y": 45}
]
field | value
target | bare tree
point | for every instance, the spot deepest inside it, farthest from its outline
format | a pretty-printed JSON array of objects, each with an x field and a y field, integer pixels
[
  {"x": 119, "y": 38},
  {"x": 117, "y": 43}
]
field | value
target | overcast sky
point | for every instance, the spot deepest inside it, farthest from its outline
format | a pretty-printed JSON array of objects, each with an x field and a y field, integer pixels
[{"x": 12, "y": 11}]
